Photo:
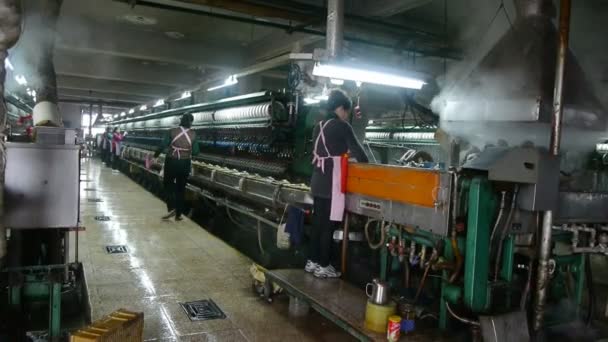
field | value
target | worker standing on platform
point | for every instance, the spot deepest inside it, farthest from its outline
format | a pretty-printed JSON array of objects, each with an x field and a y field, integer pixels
[
  {"x": 333, "y": 139},
  {"x": 181, "y": 145}
]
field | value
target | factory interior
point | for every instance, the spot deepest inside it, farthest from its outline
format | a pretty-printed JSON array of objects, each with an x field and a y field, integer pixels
[{"x": 303, "y": 170}]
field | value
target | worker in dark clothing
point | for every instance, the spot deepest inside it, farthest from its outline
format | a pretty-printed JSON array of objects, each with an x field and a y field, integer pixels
[
  {"x": 333, "y": 138},
  {"x": 180, "y": 144}
]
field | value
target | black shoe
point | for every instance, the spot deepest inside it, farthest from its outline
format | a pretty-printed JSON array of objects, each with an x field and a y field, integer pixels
[{"x": 179, "y": 218}]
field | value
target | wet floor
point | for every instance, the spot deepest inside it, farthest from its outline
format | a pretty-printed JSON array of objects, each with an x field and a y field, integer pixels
[{"x": 168, "y": 263}]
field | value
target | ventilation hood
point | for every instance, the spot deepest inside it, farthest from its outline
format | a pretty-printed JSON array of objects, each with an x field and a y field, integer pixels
[{"x": 514, "y": 81}]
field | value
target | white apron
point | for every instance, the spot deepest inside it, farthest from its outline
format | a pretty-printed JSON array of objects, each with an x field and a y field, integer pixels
[{"x": 338, "y": 198}]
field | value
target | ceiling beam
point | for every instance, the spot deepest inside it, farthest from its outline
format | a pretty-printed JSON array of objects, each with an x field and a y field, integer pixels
[
  {"x": 99, "y": 66},
  {"x": 117, "y": 40},
  {"x": 118, "y": 106},
  {"x": 118, "y": 87},
  {"x": 388, "y": 8},
  {"x": 104, "y": 96},
  {"x": 253, "y": 9}
]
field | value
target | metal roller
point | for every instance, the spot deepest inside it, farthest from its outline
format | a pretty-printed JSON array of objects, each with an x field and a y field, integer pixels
[{"x": 258, "y": 111}]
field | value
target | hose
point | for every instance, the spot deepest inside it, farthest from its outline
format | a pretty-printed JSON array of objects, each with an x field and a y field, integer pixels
[
  {"x": 524, "y": 295},
  {"x": 382, "y": 234},
  {"x": 260, "y": 238},
  {"x": 500, "y": 212},
  {"x": 422, "y": 282},
  {"x": 591, "y": 291},
  {"x": 503, "y": 233},
  {"x": 458, "y": 256},
  {"x": 461, "y": 319}
]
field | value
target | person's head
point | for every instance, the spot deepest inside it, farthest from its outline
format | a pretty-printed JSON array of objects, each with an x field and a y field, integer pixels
[
  {"x": 186, "y": 120},
  {"x": 115, "y": 130},
  {"x": 339, "y": 103}
]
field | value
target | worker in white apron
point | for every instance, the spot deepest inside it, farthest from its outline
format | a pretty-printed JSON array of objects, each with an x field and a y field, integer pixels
[
  {"x": 333, "y": 139},
  {"x": 180, "y": 145}
]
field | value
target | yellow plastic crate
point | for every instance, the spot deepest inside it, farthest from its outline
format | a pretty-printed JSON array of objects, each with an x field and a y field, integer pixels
[{"x": 120, "y": 326}]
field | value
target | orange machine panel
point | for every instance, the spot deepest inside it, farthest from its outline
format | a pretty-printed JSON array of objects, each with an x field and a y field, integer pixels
[{"x": 395, "y": 183}]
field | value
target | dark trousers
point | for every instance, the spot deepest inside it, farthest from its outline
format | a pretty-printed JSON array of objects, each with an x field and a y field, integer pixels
[
  {"x": 322, "y": 232},
  {"x": 175, "y": 180}
]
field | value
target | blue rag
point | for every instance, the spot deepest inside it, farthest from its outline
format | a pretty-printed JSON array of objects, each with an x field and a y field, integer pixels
[{"x": 295, "y": 224}]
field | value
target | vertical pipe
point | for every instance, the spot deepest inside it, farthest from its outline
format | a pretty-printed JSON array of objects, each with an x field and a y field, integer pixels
[
  {"x": 335, "y": 28},
  {"x": 10, "y": 30},
  {"x": 544, "y": 252}
]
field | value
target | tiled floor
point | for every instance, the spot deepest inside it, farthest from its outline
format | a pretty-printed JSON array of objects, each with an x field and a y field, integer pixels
[{"x": 169, "y": 263}]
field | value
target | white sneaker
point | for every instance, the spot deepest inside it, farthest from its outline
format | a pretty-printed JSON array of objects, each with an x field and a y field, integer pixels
[
  {"x": 311, "y": 266},
  {"x": 169, "y": 215},
  {"x": 327, "y": 272}
]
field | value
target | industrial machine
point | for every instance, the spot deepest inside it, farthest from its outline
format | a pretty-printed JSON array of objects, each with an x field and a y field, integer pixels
[
  {"x": 470, "y": 216},
  {"x": 452, "y": 233},
  {"x": 42, "y": 280}
]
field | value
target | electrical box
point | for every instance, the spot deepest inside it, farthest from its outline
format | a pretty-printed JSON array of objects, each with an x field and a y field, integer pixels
[{"x": 41, "y": 186}]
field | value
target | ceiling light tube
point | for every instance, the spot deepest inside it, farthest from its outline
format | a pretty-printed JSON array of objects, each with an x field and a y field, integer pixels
[
  {"x": 232, "y": 80},
  {"x": 123, "y": 114},
  {"x": 309, "y": 101},
  {"x": 131, "y": 111},
  {"x": 143, "y": 107},
  {"x": 185, "y": 95},
  {"x": 367, "y": 76},
  {"x": 159, "y": 103},
  {"x": 8, "y": 64},
  {"x": 21, "y": 80}
]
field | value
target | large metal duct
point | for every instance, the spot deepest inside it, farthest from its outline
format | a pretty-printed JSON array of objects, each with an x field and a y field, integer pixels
[
  {"x": 39, "y": 40},
  {"x": 10, "y": 29},
  {"x": 335, "y": 28}
]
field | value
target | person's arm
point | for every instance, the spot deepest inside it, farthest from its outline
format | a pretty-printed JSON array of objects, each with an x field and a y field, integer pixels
[
  {"x": 354, "y": 146},
  {"x": 195, "y": 148},
  {"x": 163, "y": 145}
]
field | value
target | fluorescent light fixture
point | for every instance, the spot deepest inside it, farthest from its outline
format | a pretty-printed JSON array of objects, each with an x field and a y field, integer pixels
[
  {"x": 8, "y": 65},
  {"x": 336, "y": 81},
  {"x": 228, "y": 82},
  {"x": 367, "y": 76},
  {"x": 185, "y": 95},
  {"x": 321, "y": 97},
  {"x": 143, "y": 107},
  {"x": 309, "y": 100},
  {"x": 159, "y": 103},
  {"x": 21, "y": 80},
  {"x": 131, "y": 111},
  {"x": 115, "y": 116},
  {"x": 123, "y": 114}
]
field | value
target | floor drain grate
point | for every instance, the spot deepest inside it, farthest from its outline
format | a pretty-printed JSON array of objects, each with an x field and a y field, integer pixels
[
  {"x": 95, "y": 200},
  {"x": 203, "y": 310},
  {"x": 116, "y": 249},
  {"x": 102, "y": 218}
]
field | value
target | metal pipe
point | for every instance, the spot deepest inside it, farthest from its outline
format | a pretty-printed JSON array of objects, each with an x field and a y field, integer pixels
[
  {"x": 335, "y": 29},
  {"x": 544, "y": 253},
  {"x": 462, "y": 319},
  {"x": 10, "y": 30},
  {"x": 345, "y": 244}
]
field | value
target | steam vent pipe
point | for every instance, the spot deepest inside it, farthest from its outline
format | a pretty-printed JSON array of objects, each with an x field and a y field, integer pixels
[
  {"x": 335, "y": 28},
  {"x": 10, "y": 29},
  {"x": 46, "y": 112},
  {"x": 544, "y": 253}
]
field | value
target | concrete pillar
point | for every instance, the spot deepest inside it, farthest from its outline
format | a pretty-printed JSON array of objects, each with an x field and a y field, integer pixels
[{"x": 10, "y": 29}]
